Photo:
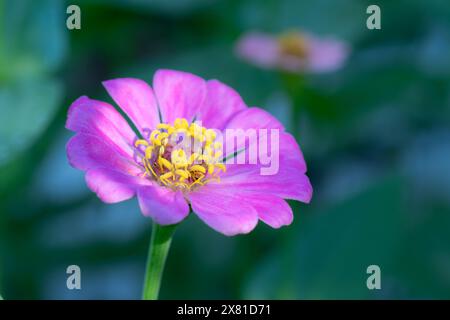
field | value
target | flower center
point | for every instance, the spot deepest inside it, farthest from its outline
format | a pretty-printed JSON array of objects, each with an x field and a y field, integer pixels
[
  {"x": 181, "y": 156},
  {"x": 293, "y": 43}
]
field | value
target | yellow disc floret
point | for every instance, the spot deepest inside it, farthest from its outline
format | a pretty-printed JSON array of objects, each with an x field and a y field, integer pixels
[
  {"x": 182, "y": 155},
  {"x": 294, "y": 43}
]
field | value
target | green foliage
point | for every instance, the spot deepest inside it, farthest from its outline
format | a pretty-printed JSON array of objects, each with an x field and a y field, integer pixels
[
  {"x": 379, "y": 185},
  {"x": 33, "y": 40},
  {"x": 33, "y": 45},
  {"x": 329, "y": 256},
  {"x": 27, "y": 109}
]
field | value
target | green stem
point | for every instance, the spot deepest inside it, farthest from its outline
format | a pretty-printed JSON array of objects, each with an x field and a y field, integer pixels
[
  {"x": 295, "y": 87},
  {"x": 157, "y": 254}
]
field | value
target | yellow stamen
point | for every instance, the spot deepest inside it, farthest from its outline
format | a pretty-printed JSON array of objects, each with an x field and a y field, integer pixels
[
  {"x": 156, "y": 142},
  {"x": 148, "y": 152},
  {"x": 166, "y": 176},
  {"x": 153, "y": 135},
  {"x": 164, "y": 126},
  {"x": 165, "y": 158},
  {"x": 140, "y": 142},
  {"x": 221, "y": 166},
  {"x": 165, "y": 163},
  {"x": 199, "y": 168},
  {"x": 183, "y": 173}
]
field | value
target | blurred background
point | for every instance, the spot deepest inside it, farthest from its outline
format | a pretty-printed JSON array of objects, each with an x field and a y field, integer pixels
[{"x": 375, "y": 134}]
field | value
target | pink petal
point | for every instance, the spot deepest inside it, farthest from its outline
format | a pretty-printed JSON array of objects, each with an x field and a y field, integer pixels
[
  {"x": 258, "y": 48},
  {"x": 112, "y": 186},
  {"x": 88, "y": 152},
  {"x": 290, "y": 182},
  {"x": 224, "y": 210},
  {"x": 100, "y": 119},
  {"x": 162, "y": 204},
  {"x": 272, "y": 210},
  {"x": 137, "y": 100},
  {"x": 254, "y": 118},
  {"x": 179, "y": 94},
  {"x": 327, "y": 54},
  {"x": 290, "y": 153},
  {"x": 249, "y": 119},
  {"x": 221, "y": 103}
]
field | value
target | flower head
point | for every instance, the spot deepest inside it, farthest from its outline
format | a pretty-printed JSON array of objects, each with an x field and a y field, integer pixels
[
  {"x": 181, "y": 156},
  {"x": 293, "y": 51}
]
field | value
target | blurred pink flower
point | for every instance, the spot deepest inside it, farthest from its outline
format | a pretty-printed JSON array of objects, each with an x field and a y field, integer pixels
[
  {"x": 293, "y": 51},
  {"x": 119, "y": 164}
]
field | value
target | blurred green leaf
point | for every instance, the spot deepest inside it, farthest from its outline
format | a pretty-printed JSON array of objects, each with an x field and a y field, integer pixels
[
  {"x": 33, "y": 44},
  {"x": 173, "y": 7},
  {"x": 334, "y": 247},
  {"x": 26, "y": 109},
  {"x": 34, "y": 37},
  {"x": 343, "y": 19},
  {"x": 424, "y": 261}
]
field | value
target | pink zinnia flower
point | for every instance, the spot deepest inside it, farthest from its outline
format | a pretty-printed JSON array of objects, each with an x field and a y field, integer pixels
[
  {"x": 293, "y": 51},
  {"x": 166, "y": 179}
]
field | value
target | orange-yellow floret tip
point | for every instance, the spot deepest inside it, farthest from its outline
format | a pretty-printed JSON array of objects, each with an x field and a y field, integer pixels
[{"x": 182, "y": 155}]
